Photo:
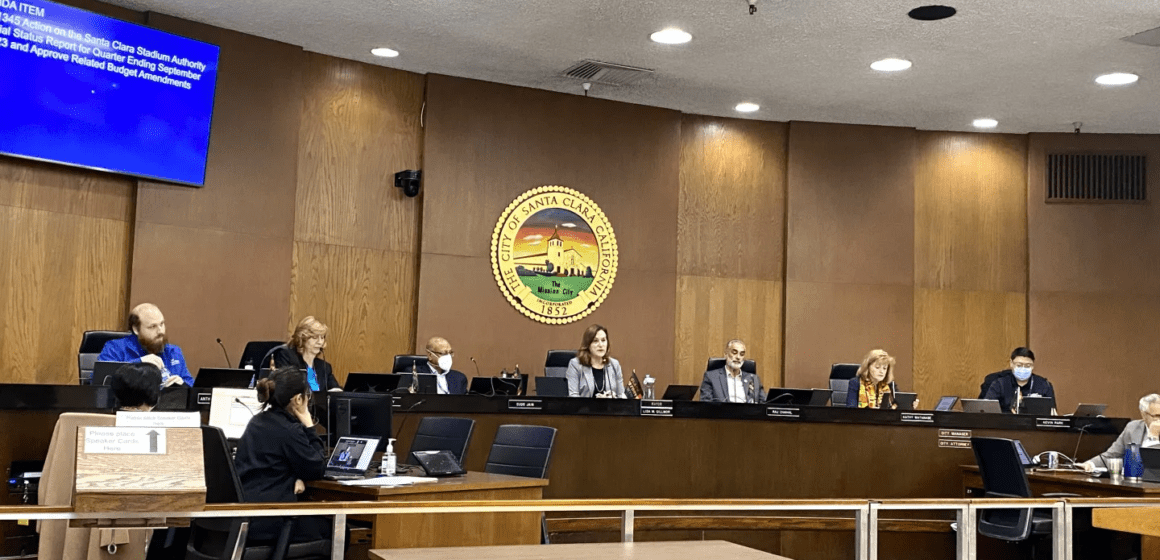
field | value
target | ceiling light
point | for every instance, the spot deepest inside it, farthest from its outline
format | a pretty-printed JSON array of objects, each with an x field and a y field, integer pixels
[
  {"x": 985, "y": 123},
  {"x": 1117, "y": 79},
  {"x": 890, "y": 65},
  {"x": 671, "y": 36},
  {"x": 746, "y": 107},
  {"x": 385, "y": 52}
]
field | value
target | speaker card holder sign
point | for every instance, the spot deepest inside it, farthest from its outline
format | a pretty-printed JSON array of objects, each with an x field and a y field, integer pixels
[{"x": 122, "y": 469}]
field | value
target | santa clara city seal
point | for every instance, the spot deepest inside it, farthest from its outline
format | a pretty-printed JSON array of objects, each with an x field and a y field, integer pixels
[{"x": 554, "y": 254}]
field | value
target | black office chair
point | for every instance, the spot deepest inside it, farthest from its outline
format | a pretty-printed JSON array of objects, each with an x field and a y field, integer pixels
[
  {"x": 443, "y": 434},
  {"x": 404, "y": 364},
  {"x": 522, "y": 451},
  {"x": 255, "y": 351},
  {"x": 556, "y": 364},
  {"x": 839, "y": 389},
  {"x": 987, "y": 381},
  {"x": 218, "y": 538},
  {"x": 844, "y": 371},
  {"x": 748, "y": 366},
  {"x": 1003, "y": 477},
  {"x": 92, "y": 342}
]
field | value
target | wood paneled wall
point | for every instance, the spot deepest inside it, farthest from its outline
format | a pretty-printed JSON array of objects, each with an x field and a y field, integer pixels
[
  {"x": 970, "y": 259},
  {"x": 730, "y": 244},
  {"x": 1094, "y": 283},
  {"x": 356, "y": 236},
  {"x": 486, "y": 144}
]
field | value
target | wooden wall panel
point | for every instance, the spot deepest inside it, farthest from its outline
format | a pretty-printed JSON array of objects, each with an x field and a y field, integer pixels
[
  {"x": 365, "y": 296},
  {"x": 222, "y": 267},
  {"x": 711, "y": 311},
  {"x": 731, "y": 222},
  {"x": 357, "y": 236}
]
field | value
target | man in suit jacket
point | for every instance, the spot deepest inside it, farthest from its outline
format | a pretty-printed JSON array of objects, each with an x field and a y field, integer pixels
[
  {"x": 1144, "y": 432},
  {"x": 439, "y": 359},
  {"x": 730, "y": 384}
]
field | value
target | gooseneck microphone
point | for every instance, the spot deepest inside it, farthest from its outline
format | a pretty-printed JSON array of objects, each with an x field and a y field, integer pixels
[
  {"x": 476, "y": 365},
  {"x": 227, "y": 354}
]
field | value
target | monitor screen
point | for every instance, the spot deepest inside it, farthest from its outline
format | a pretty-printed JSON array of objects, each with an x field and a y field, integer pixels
[
  {"x": 92, "y": 91},
  {"x": 360, "y": 414}
]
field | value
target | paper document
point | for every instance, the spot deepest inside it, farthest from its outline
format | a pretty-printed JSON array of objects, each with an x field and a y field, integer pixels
[{"x": 389, "y": 481}]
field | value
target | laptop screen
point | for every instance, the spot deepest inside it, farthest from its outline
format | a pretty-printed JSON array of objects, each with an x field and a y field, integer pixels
[{"x": 352, "y": 453}]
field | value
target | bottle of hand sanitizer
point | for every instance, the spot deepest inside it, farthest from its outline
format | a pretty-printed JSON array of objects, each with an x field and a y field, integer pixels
[{"x": 387, "y": 467}]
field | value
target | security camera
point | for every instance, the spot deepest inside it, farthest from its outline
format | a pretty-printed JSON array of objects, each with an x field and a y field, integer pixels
[{"x": 409, "y": 181}]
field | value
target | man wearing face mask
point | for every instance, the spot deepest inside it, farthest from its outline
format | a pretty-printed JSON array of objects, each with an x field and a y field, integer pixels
[
  {"x": 148, "y": 344},
  {"x": 730, "y": 384},
  {"x": 439, "y": 359},
  {"x": 1012, "y": 385}
]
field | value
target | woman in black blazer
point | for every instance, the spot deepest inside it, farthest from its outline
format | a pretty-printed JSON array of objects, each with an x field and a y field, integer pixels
[
  {"x": 302, "y": 351},
  {"x": 278, "y": 452}
]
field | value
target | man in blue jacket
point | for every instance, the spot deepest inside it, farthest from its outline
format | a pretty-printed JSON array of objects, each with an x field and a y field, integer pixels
[{"x": 148, "y": 344}]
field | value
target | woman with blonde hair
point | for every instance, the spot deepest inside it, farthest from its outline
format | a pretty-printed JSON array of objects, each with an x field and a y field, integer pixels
[
  {"x": 302, "y": 351},
  {"x": 874, "y": 381}
]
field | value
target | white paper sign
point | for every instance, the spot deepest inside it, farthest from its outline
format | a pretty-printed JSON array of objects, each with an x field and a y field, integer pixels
[
  {"x": 131, "y": 419},
  {"x": 125, "y": 441}
]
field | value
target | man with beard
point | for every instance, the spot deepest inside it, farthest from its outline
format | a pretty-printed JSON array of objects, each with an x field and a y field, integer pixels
[
  {"x": 148, "y": 344},
  {"x": 730, "y": 384}
]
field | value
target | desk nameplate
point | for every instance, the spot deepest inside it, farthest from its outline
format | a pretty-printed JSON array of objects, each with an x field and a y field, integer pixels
[
  {"x": 525, "y": 404},
  {"x": 1053, "y": 422},
  {"x": 780, "y": 412},
  {"x": 919, "y": 417},
  {"x": 656, "y": 408}
]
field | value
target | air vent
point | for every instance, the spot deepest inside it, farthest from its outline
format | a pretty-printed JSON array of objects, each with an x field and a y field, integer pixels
[
  {"x": 1096, "y": 177},
  {"x": 607, "y": 73}
]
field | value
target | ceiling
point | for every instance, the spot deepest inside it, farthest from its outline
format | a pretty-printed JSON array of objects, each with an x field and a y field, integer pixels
[{"x": 1029, "y": 64}]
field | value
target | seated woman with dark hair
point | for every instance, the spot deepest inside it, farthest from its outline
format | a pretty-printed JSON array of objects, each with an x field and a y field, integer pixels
[
  {"x": 137, "y": 386},
  {"x": 278, "y": 451}
]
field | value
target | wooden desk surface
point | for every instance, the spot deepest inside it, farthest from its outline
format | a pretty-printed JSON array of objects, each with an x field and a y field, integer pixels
[
  {"x": 1142, "y": 521},
  {"x": 1077, "y": 483},
  {"x": 472, "y": 481},
  {"x": 702, "y": 550}
]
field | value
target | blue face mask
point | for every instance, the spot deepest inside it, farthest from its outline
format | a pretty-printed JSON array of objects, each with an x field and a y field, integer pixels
[{"x": 1022, "y": 373}]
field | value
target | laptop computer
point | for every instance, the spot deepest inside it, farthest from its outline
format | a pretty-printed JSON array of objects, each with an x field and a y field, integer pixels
[
  {"x": 103, "y": 372},
  {"x": 551, "y": 386},
  {"x": 802, "y": 397},
  {"x": 1150, "y": 456},
  {"x": 497, "y": 386},
  {"x": 220, "y": 377},
  {"x": 905, "y": 401},
  {"x": 946, "y": 404},
  {"x": 680, "y": 392},
  {"x": 427, "y": 384},
  {"x": 1084, "y": 409},
  {"x": 351, "y": 458},
  {"x": 981, "y": 405},
  {"x": 370, "y": 383},
  {"x": 1039, "y": 406}
]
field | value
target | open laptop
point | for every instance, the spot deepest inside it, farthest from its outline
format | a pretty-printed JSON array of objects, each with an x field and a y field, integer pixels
[
  {"x": 351, "y": 457},
  {"x": 220, "y": 377},
  {"x": 427, "y": 384},
  {"x": 946, "y": 404},
  {"x": 551, "y": 386},
  {"x": 370, "y": 383},
  {"x": 1151, "y": 459},
  {"x": 1084, "y": 409},
  {"x": 803, "y": 397},
  {"x": 680, "y": 392},
  {"x": 981, "y": 405},
  {"x": 1039, "y": 406},
  {"x": 499, "y": 386},
  {"x": 905, "y": 401},
  {"x": 103, "y": 372}
]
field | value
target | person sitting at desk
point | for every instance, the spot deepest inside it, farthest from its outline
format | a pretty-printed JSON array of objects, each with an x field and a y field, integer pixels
[
  {"x": 302, "y": 350},
  {"x": 440, "y": 358},
  {"x": 874, "y": 381},
  {"x": 730, "y": 384},
  {"x": 1012, "y": 385},
  {"x": 148, "y": 344},
  {"x": 593, "y": 372},
  {"x": 278, "y": 451},
  {"x": 137, "y": 387},
  {"x": 1145, "y": 432}
]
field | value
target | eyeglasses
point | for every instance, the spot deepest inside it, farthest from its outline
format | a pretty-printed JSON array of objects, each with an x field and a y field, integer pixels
[{"x": 438, "y": 355}]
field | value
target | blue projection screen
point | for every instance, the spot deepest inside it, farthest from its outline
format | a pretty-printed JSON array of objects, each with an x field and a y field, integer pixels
[{"x": 83, "y": 89}]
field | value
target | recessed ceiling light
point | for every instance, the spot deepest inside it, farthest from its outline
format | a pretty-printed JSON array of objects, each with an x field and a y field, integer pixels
[
  {"x": 1117, "y": 79},
  {"x": 890, "y": 65},
  {"x": 985, "y": 123},
  {"x": 385, "y": 52},
  {"x": 931, "y": 13},
  {"x": 746, "y": 107},
  {"x": 671, "y": 36}
]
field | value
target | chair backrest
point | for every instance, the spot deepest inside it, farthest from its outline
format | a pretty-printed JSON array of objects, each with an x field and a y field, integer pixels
[
  {"x": 403, "y": 364},
  {"x": 222, "y": 485},
  {"x": 844, "y": 371},
  {"x": 748, "y": 366},
  {"x": 92, "y": 342},
  {"x": 256, "y": 350},
  {"x": 521, "y": 450},
  {"x": 443, "y": 434},
  {"x": 1003, "y": 477},
  {"x": 556, "y": 364},
  {"x": 840, "y": 388}
]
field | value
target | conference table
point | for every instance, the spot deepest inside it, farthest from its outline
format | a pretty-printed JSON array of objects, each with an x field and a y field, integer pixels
[{"x": 702, "y": 550}]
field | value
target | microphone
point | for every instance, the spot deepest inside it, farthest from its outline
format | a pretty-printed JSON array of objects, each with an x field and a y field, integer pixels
[
  {"x": 414, "y": 379},
  {"x": 245, "y": 406},
  {"x": 752, "y": 397},
  {"x": 1075, "y": 453},
  {"x": 227, "y": 354},
  {"x": 476, "y": 365}
]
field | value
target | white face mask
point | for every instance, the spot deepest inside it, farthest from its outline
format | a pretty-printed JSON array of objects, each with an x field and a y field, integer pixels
[
  {"x": 445, "y": 363},
  {"x": 1022, "y": 373}
]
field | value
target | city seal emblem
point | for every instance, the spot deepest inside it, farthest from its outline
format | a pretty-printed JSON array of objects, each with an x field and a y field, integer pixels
[{"x": 553, "y": 253}]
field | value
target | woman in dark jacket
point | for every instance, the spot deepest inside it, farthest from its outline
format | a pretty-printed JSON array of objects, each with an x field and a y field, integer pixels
[{"x": 278, "y": 451}]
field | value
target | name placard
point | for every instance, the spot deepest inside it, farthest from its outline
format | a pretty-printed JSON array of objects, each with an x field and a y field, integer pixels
[
  {"x": 1053, "y": 422},
  {"x": 125, "y": 441},
  {"x": 656, "y": 408},
  {"x": 921, "y": 417},
  {"x": 965, "y": 434},
  {"x": 131, "y": 419},
  {"x": 204, "y": 398},
  {"x": 954, "y": 443},
  {"x": 525, "y": 404},
  {"x": 779, "y": 412}
]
